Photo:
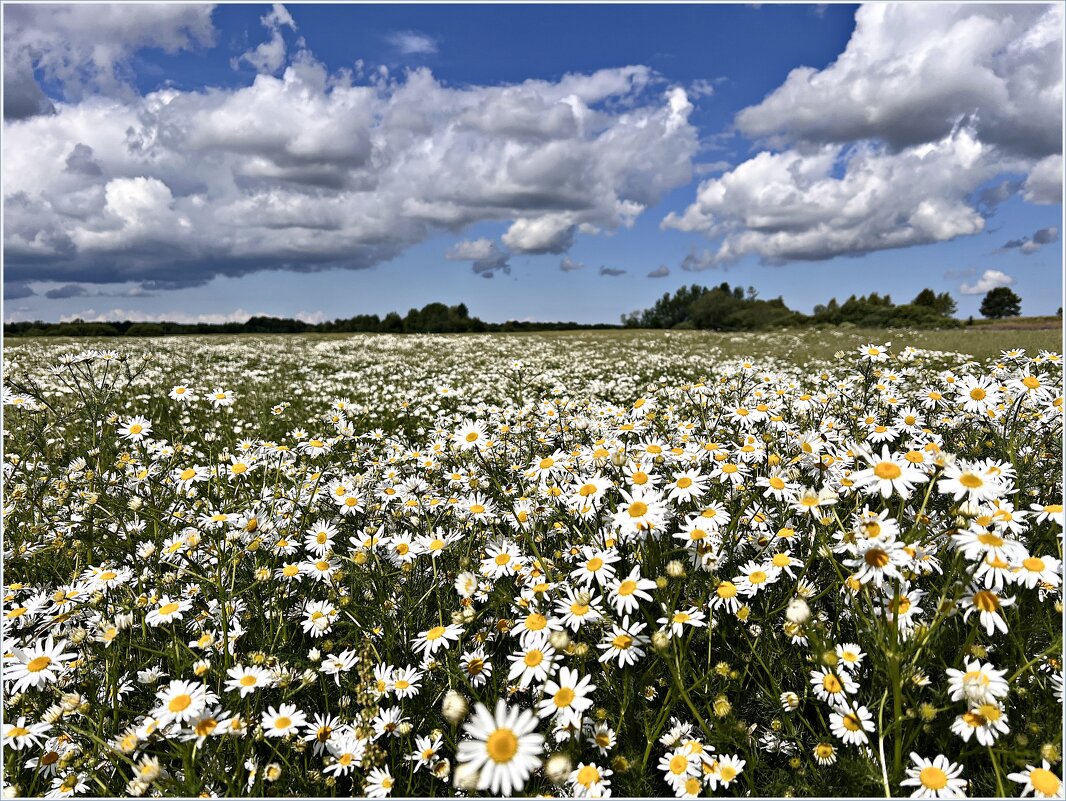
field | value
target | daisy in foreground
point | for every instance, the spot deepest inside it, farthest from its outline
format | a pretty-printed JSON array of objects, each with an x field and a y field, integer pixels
[
  {"x": 935, "y": 778},
  {"x": 503, "y": 748},
  {"x": 1041, "y": 782}
]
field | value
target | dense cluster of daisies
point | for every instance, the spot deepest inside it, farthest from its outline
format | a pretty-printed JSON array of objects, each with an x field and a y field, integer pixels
[{"x": 841, "y": 580}]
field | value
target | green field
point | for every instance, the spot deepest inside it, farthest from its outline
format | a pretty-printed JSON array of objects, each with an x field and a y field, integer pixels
[{"x": 651, "y": 563}]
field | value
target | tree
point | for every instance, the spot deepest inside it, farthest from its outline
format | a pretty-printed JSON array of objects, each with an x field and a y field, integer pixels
[
  {"x": 942, "y": 304},
  {"x": 1001, "y": 302}
]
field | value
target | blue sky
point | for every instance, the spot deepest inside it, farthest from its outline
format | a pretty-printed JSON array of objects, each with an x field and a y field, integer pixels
[{"x": 194, "y": 162}]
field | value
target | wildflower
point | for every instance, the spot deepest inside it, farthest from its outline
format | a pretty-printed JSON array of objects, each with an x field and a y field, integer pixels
[
  {"x": 502, "y": 746},
  {"x": 1040, "y": 782},
  {"x": 935, "y": 778},
  {"x": 851, "y": 724},
  {"x": 283, "y": 721},
  {"x": 37, "y": 665}
]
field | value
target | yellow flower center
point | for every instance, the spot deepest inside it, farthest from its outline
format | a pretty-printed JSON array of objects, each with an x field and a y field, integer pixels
[
  {"x": 37, "y": 664},
  {"x": 684, "y": 482},
  {"x": 168, "y": 609},
  {"x": 502, "y": 745},
  {"x": 180, "y": 703},
  {"x": 986, "y": 601},
  {"x": 887, "y": 471},
  {"x": 875, "y": 557},
  {"x": 1044, "y": 781},
  {"x": 564, "y": 697},
  {"x": 588, "y": 775},
  {"x": 971, "y": 480},
  {"x": 727, "y": 589},
  {"x": 534, "y": 657},
  {"x": 627, "y": 587},
  {"x": 622, "y": 642},
  {"x": 679, "y": 764},
  {"x": 777, "y": 483},
  {"x": 435, "y": 633},
  {"x": 832, "y": 684},
  {"x": 933, "y": 778}
]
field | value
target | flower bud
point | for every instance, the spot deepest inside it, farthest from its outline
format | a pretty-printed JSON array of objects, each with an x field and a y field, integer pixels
[
  {"x": 558, "y": 768},
  {"x": 454, "y": 708},
  {"x": 797, "y": 611}
]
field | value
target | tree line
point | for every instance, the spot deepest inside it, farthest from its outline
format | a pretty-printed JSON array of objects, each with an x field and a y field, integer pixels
[
  {"x": 433, "y": 318},
  {"x": 725, "y": 308},
  {"x": 720, "y": 308}
]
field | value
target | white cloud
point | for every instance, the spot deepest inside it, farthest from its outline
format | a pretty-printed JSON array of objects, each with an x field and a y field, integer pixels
[
  {"x": 1044, "y": 184},
  {"x": 989, "y": 280},
  {"x": 87, "y": 46},
  {"x": 568, "y": 265},
  {"x": 134, "y": 315},
  {"x": 485, "y": 257},
  {"x": 890, "y": 145},
  {"x": 309, "y": 171},
  {"x": 831, "y": 201},
  {"x": 412, "y": 43},
  {"x": 912, "y": 71},
  {"x": 659, "y": 272},
  {"x": 269, "y": 56}
]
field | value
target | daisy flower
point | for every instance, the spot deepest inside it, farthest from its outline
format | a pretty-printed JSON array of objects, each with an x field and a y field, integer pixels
[
  {"x": 503, "y": 747},
  {"x": 36, "y": 666},
  {"x": 181, "y": 701},
  {"x": 1040, "y": 782},
  {"x": 20, "y": 734},
  {"x": 681, "y": 618},
  {"x": 347, "y": 751},
  {"x": 851, "y": 725},
  {"x": 283, "y": 721},
  {"x": 935, "y": 778},
  {"x": 978, "y": 682},
  {"x": 247, "y": 680},
  {"x": 598, "y": 566},
  {"x": 833, "y": 687},
  {"x": 379, "y": 783},
  {"x": 590, "y": 781},
  {"x": 988, "y": 606},
  {"x": 430, "y": 641},
  {"x": 623, "y": 643},
  {"x": 888, "y": 474},
  {"x": 624, "y": 593},
  {"x": 567, "y": 696},
  {"x": 135, "y": 428},
  {"x": 536, "y": 661}
]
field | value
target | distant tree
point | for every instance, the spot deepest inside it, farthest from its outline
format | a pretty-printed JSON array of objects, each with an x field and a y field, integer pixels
[
  {"x": 942, "y": 304},
  {"x": 1001, "y": 302}
]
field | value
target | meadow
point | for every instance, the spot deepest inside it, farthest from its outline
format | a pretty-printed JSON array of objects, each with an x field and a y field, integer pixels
[{"x": 633, "y": 563}]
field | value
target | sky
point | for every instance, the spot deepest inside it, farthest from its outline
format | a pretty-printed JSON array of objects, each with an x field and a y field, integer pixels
[{"x": 193, "y": 162}]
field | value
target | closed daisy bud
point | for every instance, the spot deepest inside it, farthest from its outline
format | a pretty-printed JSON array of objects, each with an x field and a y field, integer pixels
[
  {"x": 454, "y": 708},
  {"x": 660, "y": 640},
  {"x": 797, "y": 611},
  {"x": 558, "y": 768},
  {"x": 675, "y": 569},
  {"x": 722, "y": 707}
]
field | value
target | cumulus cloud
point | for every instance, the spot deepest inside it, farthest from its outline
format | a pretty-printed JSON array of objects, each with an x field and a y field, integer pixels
[
  {"x": 912, "y": 71},
  {"x": 309, "y": 171},
  {"x": 827, "y": 202},
  {"x": 411, "y": 43},
  {"x": 1044, "y": 183},
  {"x": 613, "y": 272},
  {"x": 86, "y": 47},
  {"x": 904, "y": 140},
  {"x": 659, "y": 272},
  {"x": 269, "y": 56},
  {"x": 989, "y": 280},
  {"x": 568, "y": 265},
  {"x": 485, "y": 257}
]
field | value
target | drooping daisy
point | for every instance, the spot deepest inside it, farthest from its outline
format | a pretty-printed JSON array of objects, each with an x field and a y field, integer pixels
[
  {"x": 379, "y": 783},
  {"x": 978, "y": 682}
]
